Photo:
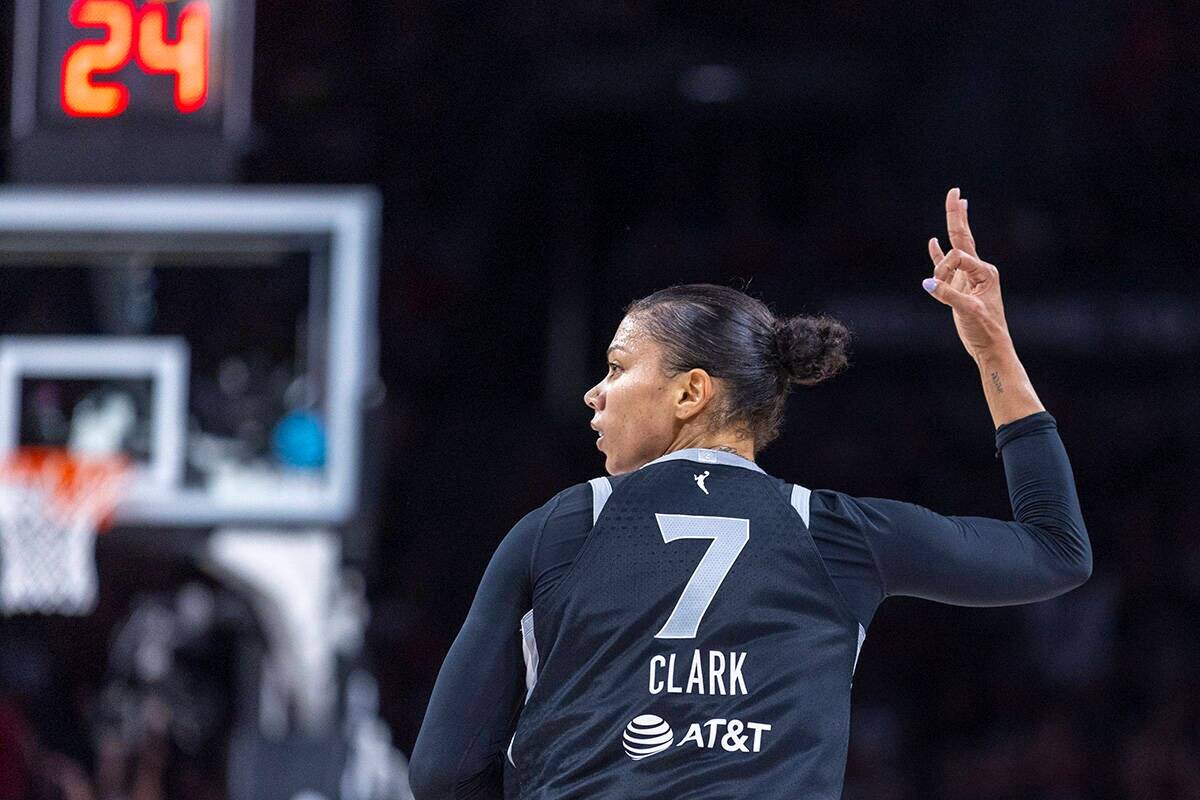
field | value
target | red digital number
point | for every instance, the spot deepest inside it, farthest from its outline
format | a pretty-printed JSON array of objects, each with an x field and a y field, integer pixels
[
  {"x": 185, "y": 57},
  {"x": 81, "y": 96}
]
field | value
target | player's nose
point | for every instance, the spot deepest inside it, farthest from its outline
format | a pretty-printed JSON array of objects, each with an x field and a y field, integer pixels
[{"x": 592, "y": 398}]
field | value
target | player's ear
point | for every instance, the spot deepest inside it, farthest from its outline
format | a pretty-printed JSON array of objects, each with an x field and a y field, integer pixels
[{"x": 693, "y": 391}]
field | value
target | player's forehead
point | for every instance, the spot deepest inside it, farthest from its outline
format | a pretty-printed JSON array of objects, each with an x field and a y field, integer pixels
[{"x": 630, "y": 337}]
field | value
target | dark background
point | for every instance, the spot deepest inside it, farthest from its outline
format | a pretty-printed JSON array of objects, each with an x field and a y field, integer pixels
[{"x": 544, "y": 164}]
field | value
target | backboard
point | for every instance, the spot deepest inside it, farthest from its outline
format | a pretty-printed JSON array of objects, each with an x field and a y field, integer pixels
[{"x": 224, "y": 339}]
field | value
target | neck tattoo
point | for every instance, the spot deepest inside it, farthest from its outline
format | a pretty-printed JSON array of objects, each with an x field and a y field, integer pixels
[{"x": 724, "y": 448}]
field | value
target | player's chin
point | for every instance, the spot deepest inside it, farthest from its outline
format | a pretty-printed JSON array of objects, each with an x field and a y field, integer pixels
[
  {"x": 616, "y": 465},
  {"x": 617, "y": 459},
  {"x": 612, "y": 461}
]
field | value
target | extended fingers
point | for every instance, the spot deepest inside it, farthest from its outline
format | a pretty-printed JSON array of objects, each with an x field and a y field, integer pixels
[{"x": 956, "y": 222}]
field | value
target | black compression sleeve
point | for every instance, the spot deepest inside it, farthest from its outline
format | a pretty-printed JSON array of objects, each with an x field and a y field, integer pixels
[
  {"x": 878, "y": 547},
  {"x": 472, "y": 711}
]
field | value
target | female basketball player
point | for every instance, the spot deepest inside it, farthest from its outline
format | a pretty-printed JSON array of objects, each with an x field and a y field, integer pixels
[{"x": 689, "y": 628}]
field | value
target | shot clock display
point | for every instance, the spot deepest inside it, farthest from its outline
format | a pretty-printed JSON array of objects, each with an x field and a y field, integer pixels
[
  {"x": 89, "y": 72},
  {"x": 141, "y": 34}
]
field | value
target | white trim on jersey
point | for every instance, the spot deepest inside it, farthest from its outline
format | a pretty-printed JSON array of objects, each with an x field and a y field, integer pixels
[
  {"x": 704, "y": 455},
  {"x": 601, "y": 491},
  {"x": 800, "y": 498},
  {"x": 862, "y": 635},
  {"x": 529, "y": 650}
]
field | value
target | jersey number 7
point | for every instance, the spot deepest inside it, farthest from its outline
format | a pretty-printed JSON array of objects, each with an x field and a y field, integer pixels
[{"x": 729, "y": 535}]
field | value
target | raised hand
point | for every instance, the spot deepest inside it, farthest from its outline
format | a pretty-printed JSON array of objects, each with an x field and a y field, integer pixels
[{"x": 969, "y": 285}]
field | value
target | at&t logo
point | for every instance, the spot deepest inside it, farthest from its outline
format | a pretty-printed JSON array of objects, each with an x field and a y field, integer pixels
[{"x": 647, "y": 735}]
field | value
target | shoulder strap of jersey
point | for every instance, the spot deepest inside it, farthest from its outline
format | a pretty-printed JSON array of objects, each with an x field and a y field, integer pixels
[
  {"x": 800, "y": 500},
  {"x": 601, "y": 490}
]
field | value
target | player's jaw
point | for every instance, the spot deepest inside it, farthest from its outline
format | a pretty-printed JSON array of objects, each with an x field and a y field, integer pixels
[{"x": 628, "y": 443}]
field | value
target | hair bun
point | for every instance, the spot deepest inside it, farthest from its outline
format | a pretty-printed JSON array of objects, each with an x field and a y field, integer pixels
[{"x": 811, "y": 349}]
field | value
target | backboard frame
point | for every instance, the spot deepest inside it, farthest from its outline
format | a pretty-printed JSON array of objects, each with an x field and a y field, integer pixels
[{"x": 348, "y": 218}]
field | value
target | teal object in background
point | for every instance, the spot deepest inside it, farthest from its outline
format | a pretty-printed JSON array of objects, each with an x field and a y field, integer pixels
[{"x": 299, "y": 440}]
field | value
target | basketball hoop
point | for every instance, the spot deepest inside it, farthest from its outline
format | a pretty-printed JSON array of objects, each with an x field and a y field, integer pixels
[{"x": 52, "y": 504}]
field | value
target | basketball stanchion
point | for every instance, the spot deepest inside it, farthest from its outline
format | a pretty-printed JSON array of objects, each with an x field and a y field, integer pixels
[{"x": 52, "y": 505}]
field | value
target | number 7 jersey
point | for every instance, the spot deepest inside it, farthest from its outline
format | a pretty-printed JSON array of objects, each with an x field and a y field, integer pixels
[{"x": 695, "y": 648}]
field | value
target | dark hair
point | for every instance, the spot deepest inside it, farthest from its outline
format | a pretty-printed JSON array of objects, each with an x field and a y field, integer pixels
[{"x": 736, "y": 338}]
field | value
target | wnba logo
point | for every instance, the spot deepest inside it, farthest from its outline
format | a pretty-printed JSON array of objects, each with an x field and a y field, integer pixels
[{"x": 647, "y": 735}]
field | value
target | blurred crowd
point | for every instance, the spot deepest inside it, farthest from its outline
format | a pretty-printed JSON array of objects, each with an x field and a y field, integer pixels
[{"x": 133, "y": 701}]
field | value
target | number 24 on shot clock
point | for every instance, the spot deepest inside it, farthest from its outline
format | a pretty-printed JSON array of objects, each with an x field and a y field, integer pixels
[{"x": 139, "y": 34}]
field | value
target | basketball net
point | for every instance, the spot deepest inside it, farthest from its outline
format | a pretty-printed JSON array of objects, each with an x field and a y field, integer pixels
[{"x": 52, "y": 504}]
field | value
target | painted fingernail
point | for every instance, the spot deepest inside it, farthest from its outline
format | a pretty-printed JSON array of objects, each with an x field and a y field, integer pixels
[
  {"x": 930, "y": 284},
  {"x": 964, "y": 204}
]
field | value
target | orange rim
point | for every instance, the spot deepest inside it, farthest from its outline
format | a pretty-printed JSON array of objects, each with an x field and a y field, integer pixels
[{"x": 68, "y": 476}]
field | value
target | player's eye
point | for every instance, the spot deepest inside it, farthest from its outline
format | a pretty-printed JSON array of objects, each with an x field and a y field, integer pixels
[{"x": 613, "y": 367}]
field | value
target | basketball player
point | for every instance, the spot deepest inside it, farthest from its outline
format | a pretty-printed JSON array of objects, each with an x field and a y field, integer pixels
[{"x": 690, "y": 626}]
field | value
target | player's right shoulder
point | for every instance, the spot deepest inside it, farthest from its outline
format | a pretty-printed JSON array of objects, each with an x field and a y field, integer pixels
[
  {"x": 566, "y": 510},
  {"x": 563, "y": 525},
  {"x": 570, "y": 501},
  {"x": 585, "y": 499}
]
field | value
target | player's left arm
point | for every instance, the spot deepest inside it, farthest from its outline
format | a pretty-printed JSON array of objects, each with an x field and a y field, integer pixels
[
  {"x": 980, "y": 561},
  {"x": 481, "y": 687}
]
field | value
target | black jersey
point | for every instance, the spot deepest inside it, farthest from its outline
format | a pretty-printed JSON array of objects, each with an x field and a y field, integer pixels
[
  {"x": 696, "y": 648},
  {"x": 691, "y": 629}
]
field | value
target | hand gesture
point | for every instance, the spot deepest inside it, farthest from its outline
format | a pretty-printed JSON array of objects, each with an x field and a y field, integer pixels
[{"x": 970, "y": 286}]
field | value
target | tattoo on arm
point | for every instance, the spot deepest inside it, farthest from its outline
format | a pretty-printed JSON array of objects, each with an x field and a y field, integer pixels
[{"x": 997, "y": 383}]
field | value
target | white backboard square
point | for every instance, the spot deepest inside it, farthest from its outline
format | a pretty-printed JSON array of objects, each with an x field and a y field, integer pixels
[{"x": 161, "y": 360}]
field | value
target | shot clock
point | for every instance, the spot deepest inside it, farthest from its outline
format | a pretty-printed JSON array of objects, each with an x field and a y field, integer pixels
[
  {"x": 138, "y": 34},
  {"x": 130, "y": 90}
]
